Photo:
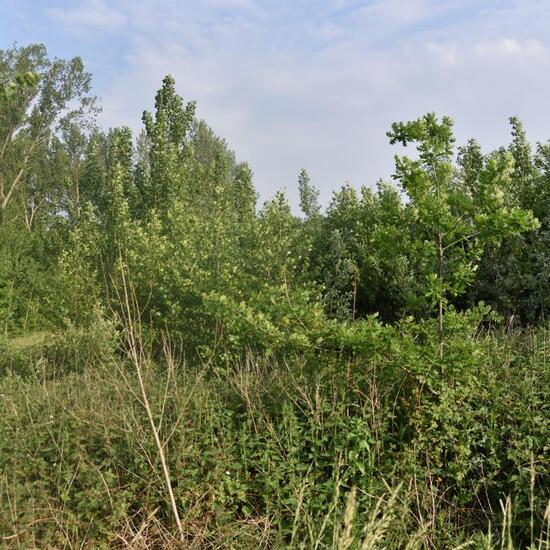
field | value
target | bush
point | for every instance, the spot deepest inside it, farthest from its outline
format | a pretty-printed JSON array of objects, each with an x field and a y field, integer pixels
[
  {"x": 278, "y": 454},
  {"x": 54, "y": 353}
]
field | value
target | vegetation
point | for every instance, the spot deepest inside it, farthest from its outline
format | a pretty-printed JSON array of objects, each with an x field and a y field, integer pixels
[{"x": 183, "y": 368}]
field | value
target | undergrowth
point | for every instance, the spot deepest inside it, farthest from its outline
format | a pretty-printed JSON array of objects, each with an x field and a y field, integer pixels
[{"x": 325, "y": 450}]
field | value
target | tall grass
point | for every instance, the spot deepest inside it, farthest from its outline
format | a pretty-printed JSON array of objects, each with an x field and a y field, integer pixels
[{"x": 307, "y": 452}]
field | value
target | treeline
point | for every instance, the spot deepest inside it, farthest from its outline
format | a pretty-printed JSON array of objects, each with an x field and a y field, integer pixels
[
  {"x": 181, "y": 212},
  {"x": 343, "y": 351}
]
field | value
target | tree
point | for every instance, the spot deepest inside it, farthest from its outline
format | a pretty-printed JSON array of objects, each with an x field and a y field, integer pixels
[
  {"x": 168, "y": 139},
  {"x": 453, "y": 222},
  {"x": 309, "y": 196},
  {"x": 360, "y": 254},
  {"x": 513, "y": 277},
  {"x": 36, "y": 113},
  {"x": 21, "y": 81}
]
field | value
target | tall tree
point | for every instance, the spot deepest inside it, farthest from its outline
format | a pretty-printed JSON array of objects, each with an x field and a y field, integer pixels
[
  {"x": 309, "y": 196},
  {"x": 513, "y": 277},
  {"x": 167, "y": 138},
  {"x": 35, "y": 114}
]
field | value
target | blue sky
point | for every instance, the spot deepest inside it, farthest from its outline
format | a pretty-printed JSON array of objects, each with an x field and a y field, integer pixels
[{"x": 302, "y": 83}]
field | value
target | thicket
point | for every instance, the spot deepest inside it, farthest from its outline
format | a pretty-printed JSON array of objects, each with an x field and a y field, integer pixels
[{"x": 371, "y": 375}]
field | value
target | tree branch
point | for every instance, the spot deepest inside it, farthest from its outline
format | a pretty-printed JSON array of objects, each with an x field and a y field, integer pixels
[{"x": 462, "y": 239}]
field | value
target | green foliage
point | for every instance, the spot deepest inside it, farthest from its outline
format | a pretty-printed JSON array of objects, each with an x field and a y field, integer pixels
[
  {"x": 360, "y": 254},
  {"x": 315, "y": 405},
  {"x": 514, "y": 276},
  {"x": 267, "y": 453},
  {"x": 167, "y": 135},
  {"x": 20, "y": 81},
  {"x": 453, "y": 223},
  {"x": 45, "y": 355},
  {"x": 309, "y": 196}
]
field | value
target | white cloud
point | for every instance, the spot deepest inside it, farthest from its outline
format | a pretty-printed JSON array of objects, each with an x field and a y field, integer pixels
[
  {"x": 90, "y": 15},
  {"x": 507, "y": 47},
  {"x": 231, "y": 4},
  {"x": 399, "y": 12},
  {"x": 302, "y": 83}
]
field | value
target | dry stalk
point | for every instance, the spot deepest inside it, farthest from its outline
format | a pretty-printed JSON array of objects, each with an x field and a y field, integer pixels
[{"x": 133, "y": 331}]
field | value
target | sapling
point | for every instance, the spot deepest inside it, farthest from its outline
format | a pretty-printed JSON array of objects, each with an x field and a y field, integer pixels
[{"x": 452, "y": 223}]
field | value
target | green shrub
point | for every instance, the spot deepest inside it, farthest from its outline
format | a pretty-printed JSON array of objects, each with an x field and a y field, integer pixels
[
  {"x": 51, "y": 354},
  {"x": 277, "y": 454}
]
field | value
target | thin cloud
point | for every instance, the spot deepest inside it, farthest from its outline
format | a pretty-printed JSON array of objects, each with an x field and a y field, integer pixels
[
  {"x": 90, "y": 15},
  {"x": 317, "y": 84}
]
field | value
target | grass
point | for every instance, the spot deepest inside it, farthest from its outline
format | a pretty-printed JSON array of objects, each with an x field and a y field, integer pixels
[{"x": 306, "y": 452}]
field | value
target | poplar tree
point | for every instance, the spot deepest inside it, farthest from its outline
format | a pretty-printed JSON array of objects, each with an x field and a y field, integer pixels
[
  {"x": 41, "y": 105},
  {"x": 309, "y": 196}
]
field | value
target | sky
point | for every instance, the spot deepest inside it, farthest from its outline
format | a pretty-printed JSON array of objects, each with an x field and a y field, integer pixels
[{"x": 294, "y": 84}]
